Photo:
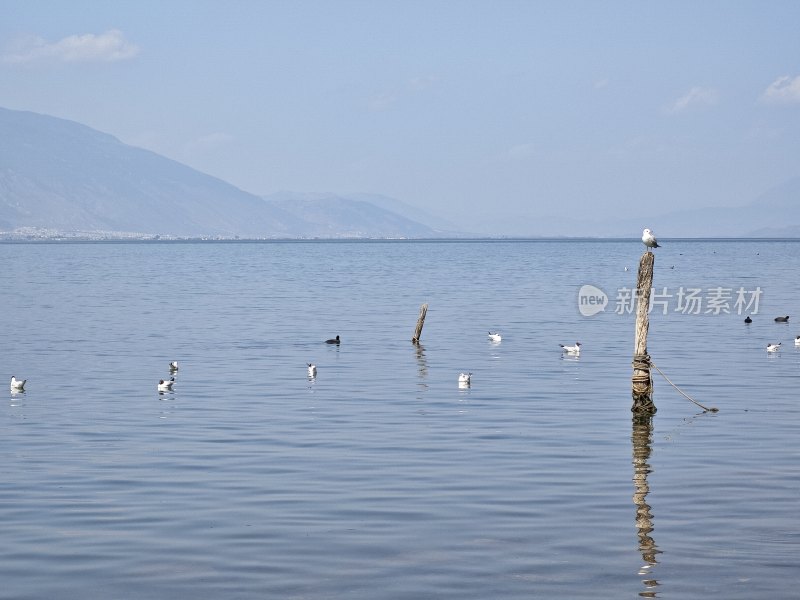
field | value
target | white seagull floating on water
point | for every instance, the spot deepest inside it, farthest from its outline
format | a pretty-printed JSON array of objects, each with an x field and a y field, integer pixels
[
  {"x": 649, "y": 239},
  {"x": 173, "y": 366},
  {"x": 312, "y": 370},
  {"x": 464, "y": 378},
  {"x": 17, "y": 385},
  {"x": 797, "y": 341},
  {"x": 495, "y": 337},
  {"x": 773, "y": 347},
  {"x": 165, "y": 385},
  {"x": 576, "y": 349}
]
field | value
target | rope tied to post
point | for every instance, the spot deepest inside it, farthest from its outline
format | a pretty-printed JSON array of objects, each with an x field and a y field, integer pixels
[
  {"x": 640, "y": 381},
  {"x": 641, "y": 362},
  {"x": 685, "y": 395}
]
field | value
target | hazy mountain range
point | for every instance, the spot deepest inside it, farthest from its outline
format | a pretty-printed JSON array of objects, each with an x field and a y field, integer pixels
[
  {"x": 775, "y": 213},
  {"x": 61, "y": 176},
  {"x": 57, "y": 176}
]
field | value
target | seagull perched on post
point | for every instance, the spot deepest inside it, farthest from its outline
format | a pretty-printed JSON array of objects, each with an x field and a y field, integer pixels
[{"x": 649, "y": 239}]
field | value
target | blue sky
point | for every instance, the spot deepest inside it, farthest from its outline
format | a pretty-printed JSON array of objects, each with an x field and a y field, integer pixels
[{"x": 494, "y": 114}]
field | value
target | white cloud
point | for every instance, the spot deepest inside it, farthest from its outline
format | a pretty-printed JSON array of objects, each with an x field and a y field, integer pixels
[
  {"x": 784, "y": 90},
  {"x": 204, "y": 145},
  {"x": 105, "y": 47},
  {"x": 423, "y": 82},
  {"x": 521, "y": 152},
  {"x": 381, "y": 102},
  {"x": 212, "y": 141},
  {"x": 389, "y": 98},
  {"x": 697, "y": 96}
]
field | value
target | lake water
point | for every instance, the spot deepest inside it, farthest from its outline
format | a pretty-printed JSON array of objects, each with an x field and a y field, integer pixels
[{"x": 381, "y": 478}]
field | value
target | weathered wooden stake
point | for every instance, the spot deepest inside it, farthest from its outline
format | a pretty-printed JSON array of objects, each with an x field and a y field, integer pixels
[
  {"x": 642, "y": 382},
  {"x": 423, "y": 310}
]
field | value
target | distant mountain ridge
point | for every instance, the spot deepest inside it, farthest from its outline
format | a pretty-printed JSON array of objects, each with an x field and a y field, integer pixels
[
  {"x": 62, "y": 175},
  {"x": 775, "y": 213},
  {"x": 331, "y": 215},
  {"x": 58, "y": 175}
]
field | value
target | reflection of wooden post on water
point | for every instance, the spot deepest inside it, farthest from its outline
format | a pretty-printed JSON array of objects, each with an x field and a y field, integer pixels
[
  {"x": 641, "y": 382},
  {"x": 423, "y": 310},
  {"x": 641, "y": 437}
]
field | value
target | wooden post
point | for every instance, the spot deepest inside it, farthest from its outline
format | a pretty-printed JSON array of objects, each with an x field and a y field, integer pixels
[
  {"x": 423, "y": 310},
  {"x": 641, "y": 382}
]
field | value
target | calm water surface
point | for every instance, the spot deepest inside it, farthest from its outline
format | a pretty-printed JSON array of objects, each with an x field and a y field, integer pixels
[{"x": 380, "y": 478}]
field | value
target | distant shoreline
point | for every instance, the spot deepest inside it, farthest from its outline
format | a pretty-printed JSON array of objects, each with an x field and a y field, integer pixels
[{"x": 16, "y": 239}]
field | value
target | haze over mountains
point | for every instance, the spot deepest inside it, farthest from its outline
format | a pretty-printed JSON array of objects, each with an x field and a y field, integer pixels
[
  {"x": 57, "y": 176},
  {"x": 65, "y": 177},
  {"x": 775, "y": 213}
]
